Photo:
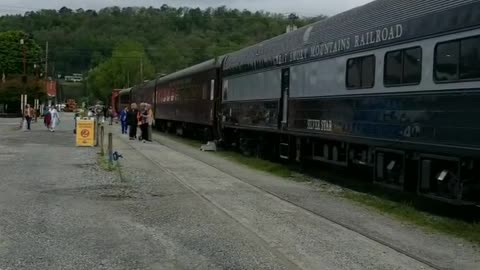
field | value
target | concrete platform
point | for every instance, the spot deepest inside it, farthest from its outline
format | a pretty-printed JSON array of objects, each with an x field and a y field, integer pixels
[{"x": 179, "y": 208}]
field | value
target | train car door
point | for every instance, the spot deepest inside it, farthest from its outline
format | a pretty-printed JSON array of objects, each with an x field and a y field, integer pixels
[{"x": 285, "y": 89}]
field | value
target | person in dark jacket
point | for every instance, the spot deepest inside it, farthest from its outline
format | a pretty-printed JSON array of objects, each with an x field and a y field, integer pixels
[
  {"x": 144, "y": 122},
  {"x": 132, "y": 121},
  {"x": 123, "y": 120},
  {"x": 46, "y": 116},
  {"x": 105, "y": 114}
]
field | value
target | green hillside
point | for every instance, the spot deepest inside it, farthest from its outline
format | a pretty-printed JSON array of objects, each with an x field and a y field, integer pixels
[{"x": 172, "y": 37}]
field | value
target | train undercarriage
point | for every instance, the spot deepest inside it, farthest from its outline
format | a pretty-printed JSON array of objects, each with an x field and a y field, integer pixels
[
  {"x": 197, "y": 131},
  {"x": 452, "y": 179}
]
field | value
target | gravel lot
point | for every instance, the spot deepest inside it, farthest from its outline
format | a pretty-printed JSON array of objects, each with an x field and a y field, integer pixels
[{"x": 169, "y": 210}]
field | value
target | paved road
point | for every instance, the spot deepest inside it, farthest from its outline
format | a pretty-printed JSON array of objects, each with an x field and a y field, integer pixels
[{"x": 165, "y": 210}]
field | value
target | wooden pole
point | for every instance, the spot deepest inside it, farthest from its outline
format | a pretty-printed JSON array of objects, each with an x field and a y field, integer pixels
[
  {"x": 102, "y": 135},
  {"x": 110, "y": 148},
  {"x": 97, "y": 132}
]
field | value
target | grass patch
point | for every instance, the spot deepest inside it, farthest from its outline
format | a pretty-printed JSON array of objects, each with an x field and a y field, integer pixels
[
  {"x": 406, "y": 212},
  {"x": 258, "y": 164},
  {"x": 105, "y": 165}
]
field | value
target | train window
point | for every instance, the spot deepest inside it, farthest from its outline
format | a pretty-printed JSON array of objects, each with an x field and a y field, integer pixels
[
  {"x": 225, "y": 90},
  {"x": 403, "y": 67},
  {"x": 354, "y": 73},
  {"x": 470, "y": 58},
  {"x": 368, "y": 71},
  {"x": 205, "y": 91},
  {"x": 124, "y": 99},
  {"x": 446, "y": 61},
  {"x": 393, "y": 68},
  {"x": 458, "y": 60},
  {"x": 212, "y": 89},
  {"x": 412, "y": 66},
  {"x": 361, "y": 72}
]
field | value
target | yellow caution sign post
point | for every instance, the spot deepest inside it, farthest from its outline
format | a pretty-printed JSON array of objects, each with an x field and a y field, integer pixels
[{"x": 85, "y": 133}]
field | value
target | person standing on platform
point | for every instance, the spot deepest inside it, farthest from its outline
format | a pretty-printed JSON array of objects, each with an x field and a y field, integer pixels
[
  {"x": 144, "y": 122},
  {"x": 132, "y": 121},
  {"x": 47, "y": 117},
  {"x": 151, "y": 121},
  {"x": 28, "y": 114},
  {"x": 105, "y": 113},
  {"x": 110, "y": 115},
  {"x": 46, "y": 110},
  {"x": 55, "y": 119},
  {"x": 98, "y": 113},
  {"x": 123, "y": 120}
]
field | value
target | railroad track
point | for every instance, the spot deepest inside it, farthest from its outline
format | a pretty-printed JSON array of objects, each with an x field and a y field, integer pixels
[{"x": 320, "y": 215}]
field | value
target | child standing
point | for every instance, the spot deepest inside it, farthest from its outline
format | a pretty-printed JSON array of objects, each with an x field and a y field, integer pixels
[{"x": 123, "y": 120}]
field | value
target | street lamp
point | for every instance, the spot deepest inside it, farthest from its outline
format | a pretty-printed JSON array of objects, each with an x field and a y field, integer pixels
[
  {"x": 22, "y": 42},
  {"x": 23, "y": 102}
]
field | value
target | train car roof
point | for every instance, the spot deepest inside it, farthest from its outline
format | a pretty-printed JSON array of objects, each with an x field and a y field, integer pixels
[
  {"x": 146, "y": 84},
  {"x": 204, "y": 66},
  {"x": 125, "y": 91},
  {"x": 342, "y": 33}
]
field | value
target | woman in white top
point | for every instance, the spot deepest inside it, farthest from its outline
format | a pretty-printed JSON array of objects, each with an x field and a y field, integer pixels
[{"x": 55, "y": 118}]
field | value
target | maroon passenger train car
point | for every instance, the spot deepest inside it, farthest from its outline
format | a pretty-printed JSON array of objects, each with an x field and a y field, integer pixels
[
  {"x": 124, "y": 98},
  {"x": 144, "y": 93},
  {"x": 186, "y": 100}
]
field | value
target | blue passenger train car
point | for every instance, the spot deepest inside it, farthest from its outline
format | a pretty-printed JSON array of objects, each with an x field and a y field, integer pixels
[{"x": 393, "y": 85}]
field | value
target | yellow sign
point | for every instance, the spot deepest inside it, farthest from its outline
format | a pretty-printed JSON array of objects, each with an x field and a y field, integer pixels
[{"x": 85, "y": 133}]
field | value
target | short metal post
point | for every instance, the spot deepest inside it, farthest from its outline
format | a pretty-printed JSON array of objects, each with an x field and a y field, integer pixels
[
  {"x": 102, "y": 135},
  {"x": 110, "y": 148},
  {"x": 97, "y": 132}
]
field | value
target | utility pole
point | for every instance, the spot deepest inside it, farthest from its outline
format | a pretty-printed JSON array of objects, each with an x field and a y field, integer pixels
[
  {"x": 22, "y": 42},
  {"x": 46, "y": 60},
  {"x": 23, "y": 97}
]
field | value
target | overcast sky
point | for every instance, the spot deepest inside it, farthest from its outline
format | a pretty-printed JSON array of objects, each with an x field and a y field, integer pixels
[{"x": 302, "y": 7}]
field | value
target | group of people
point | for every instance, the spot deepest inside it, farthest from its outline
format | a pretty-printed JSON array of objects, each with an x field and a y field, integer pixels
[
  {"x": 130, "y": 118},
  {"x": 134, "y": 117},
  {"x": 51, "y": 117},
  {"x": 102, "y": 113}
]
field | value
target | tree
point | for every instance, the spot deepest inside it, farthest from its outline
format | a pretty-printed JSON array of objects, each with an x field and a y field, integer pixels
[
  {"x": 129, "y": 65},
  {"x": 11, "y": 53},
  {"x": 12, "y": 82},
  {"x": 173, "y": 38}
]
